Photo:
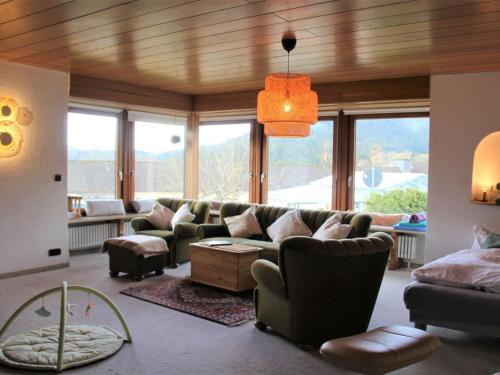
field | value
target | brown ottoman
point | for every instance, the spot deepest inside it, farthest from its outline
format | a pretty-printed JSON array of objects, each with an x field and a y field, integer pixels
[
  {"x": 381, "y": 350},
  {"x": 136, "y": 255}
]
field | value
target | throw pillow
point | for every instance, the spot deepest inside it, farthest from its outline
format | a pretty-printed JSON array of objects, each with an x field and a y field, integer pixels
[
  {"x": 143, "y": 205},
  {"x": 244, "y": 225},
  {"x": 485, "y": 239},
  {"x": 182, "y": 215},
  {"x": 333, "y": 229},
  {"x": 385, "y": 220},
  {"x": 492, "y": 241},
  {"x": 290, "y": 224},
  {"x": 160, "y": 216},
  {"x": 101, "y": 207}
]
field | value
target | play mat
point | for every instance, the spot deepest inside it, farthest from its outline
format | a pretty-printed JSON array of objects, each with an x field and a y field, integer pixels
[{"x": 62, "y": 346}]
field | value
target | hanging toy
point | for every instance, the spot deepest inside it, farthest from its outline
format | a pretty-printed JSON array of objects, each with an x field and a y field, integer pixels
[
  {"x": 69, "y": 306},
  {"x": 42, "y": 311},
  {"x": 90, "y": 304}
]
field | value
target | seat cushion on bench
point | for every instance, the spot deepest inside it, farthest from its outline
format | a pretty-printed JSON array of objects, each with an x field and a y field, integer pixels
[
  {"x": 381, "y": 350},
  {"x": 269, "y": 250},
  {"x": 102, "y": 207},
  {"x": 167, "y": 235}
]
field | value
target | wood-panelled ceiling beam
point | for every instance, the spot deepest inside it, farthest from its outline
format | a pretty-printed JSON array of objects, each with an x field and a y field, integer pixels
[{"x": 200, "y": 47}]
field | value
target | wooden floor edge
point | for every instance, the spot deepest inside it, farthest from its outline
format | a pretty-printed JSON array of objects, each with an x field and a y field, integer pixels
[{"x": 30, "y": 271}]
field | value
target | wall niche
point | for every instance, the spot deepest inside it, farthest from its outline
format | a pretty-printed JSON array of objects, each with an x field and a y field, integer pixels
[{"x": 486, "y": 171}]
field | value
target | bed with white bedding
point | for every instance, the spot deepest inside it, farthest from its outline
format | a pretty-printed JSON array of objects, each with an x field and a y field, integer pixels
[
  {"x": 474, "y": 269},
  {"x": 459, "y": 291}
]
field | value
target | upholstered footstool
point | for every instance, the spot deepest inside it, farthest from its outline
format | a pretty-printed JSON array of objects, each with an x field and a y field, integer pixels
[
  {"x": 136, "y": 255},
  {"x": 381, "y": 350}
]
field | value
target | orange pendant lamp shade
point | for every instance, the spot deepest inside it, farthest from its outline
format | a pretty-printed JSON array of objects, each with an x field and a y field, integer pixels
[{"x": 287, "y": 107}]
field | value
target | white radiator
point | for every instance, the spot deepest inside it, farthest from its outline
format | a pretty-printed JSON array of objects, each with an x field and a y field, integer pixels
[
  {"x": 127, "y": 228},
  {"x": 213, "y": 219},
  {"x": 407, "y": 247},
  {"x": 91, "y": 236}
]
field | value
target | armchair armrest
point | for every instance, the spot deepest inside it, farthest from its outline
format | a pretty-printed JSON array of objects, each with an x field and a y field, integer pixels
[
  {"x": 267, "y": 274},
  {"x": 186, "y": 230},
  {"x": 212, "y": 230},
  {"x": 360, "y": 225},
  {"x": 201, "y": 209},
  {"x": 139, "y": 223}
]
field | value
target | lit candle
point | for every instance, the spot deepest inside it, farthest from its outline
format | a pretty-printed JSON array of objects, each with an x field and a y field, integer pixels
[{"x": 484, "y": 189}]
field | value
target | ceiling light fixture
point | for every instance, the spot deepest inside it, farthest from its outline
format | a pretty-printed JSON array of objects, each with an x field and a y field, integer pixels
[{"x": 287, "y": 106}]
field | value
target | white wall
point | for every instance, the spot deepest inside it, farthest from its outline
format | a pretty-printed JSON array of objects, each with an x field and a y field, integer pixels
[
  {"x": 32, "y": 204},
  {"x": 464, "y": 109}
]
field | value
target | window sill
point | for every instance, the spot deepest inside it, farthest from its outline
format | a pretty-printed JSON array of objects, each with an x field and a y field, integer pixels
[{"x": 101, "y": 219}]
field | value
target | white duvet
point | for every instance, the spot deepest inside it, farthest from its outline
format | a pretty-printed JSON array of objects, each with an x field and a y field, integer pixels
[{"x": 477, "y": 269}]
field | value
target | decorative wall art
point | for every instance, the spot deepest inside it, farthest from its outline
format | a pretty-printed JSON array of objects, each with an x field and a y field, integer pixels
[{"x": 12, "y": 118}]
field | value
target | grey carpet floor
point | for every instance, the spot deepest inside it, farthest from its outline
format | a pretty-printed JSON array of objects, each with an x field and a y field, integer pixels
[{"x": 171, "y": 342}]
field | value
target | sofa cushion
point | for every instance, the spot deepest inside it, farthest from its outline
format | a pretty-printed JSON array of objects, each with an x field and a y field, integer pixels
[
  {"x": 160, "y": 216},
  {"x": 269, "y": 249},
  {"x": 385, "y": 220},
  {"x": 183, "y": 215},
  {"x": 102, "y": 207},
  {"x": 165, "y": 234},
  {"x": 332, "y": 229},
  {"x": 267, "y": 215},
  {"x": 290, "y": 224},
  {"x": 484, "y": 238},
  {"x": 244, "y": 225},
  {"x": 142, "y": 206},
  {"x": 335, "y": 231}
]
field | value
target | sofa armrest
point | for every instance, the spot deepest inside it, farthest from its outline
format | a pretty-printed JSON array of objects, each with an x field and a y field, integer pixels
[
  {"x": 213, "y": 230},
  {"x": 267, "y": 274},
  {"x": 186, "y": 230},
  {"x": 139, "y": 223},
  {"x": 360, "y": 225},
  {"x": 201, "y": 210}
]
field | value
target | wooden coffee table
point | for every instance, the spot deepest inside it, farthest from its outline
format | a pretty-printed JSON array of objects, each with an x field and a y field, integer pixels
[{"x": 226, "y": 267}]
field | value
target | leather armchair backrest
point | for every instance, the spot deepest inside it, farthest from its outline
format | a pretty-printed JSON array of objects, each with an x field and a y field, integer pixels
[
  {"x": 332, "y": 285},
  {"x": 313, "y": 218},
  {"x": 200, "y": 209}
]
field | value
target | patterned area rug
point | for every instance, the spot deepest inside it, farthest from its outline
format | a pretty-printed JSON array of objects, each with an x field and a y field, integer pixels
[{"x": 214, "y": 304}]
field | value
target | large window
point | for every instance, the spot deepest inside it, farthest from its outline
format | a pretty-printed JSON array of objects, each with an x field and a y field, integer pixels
[
  {"x": 92, "y": 149},
  {"x": 159, "y": 159},
  {"x": 391, "y": 164},
  {"x": 300, "y": 169},
  {"x": 224, "y": 161}
]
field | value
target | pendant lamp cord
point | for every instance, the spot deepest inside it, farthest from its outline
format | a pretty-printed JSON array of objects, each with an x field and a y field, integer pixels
[{"x": 287, "y": 74}]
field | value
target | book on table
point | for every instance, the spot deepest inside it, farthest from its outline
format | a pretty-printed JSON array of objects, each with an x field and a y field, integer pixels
[{"x": 216, "y": 243}]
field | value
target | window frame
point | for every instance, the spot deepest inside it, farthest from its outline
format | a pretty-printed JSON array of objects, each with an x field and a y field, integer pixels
[
  {"x": 264, "y": 182},
  {"x": 254, "y": 158},
  {"x": 119, "y": 115},
  {"x": 351, "y": 120},
  {"x": 131, "y": 162},
  {"x": 342, "y": 195}
]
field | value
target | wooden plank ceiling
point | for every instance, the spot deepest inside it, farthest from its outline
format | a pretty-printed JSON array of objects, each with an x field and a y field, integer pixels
[{"x": 213, "y": 46}]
